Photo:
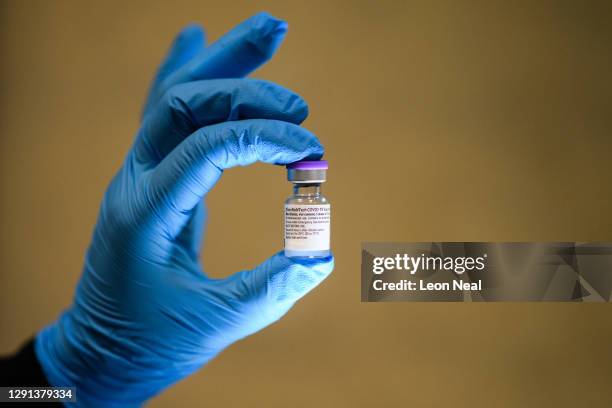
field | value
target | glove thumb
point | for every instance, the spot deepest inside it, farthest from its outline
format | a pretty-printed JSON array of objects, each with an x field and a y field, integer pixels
[
  {"x": 281, "y": 281},
  {"x": 267, "y": 292}
]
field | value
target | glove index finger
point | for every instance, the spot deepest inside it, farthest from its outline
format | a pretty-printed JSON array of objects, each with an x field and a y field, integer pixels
[
  {"x": 190, "y": 106},
  {"x": 188, "y": 173}
]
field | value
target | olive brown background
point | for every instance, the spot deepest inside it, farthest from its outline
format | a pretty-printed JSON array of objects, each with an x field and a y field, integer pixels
[{"x": 442, "y": 121}]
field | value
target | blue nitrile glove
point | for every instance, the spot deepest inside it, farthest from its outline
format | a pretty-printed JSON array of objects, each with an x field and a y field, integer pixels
[{"x": 144, "y": 314}]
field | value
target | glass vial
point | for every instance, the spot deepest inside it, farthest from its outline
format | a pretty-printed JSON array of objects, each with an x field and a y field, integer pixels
[{"x": 307, "y": 211}]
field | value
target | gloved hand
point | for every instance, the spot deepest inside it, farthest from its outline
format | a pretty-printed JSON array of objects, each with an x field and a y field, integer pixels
[{"x": 144, "y": 314}]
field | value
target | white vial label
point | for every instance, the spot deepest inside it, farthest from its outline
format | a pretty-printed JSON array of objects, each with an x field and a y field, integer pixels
[{"x": 307, "y": 227}]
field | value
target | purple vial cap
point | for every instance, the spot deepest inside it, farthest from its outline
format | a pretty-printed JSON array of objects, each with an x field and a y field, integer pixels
[{"x": 308, "y": 165}]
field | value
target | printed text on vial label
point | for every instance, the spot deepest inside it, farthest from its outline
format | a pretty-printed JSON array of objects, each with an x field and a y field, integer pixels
[{"x": 307, "y": 227}]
